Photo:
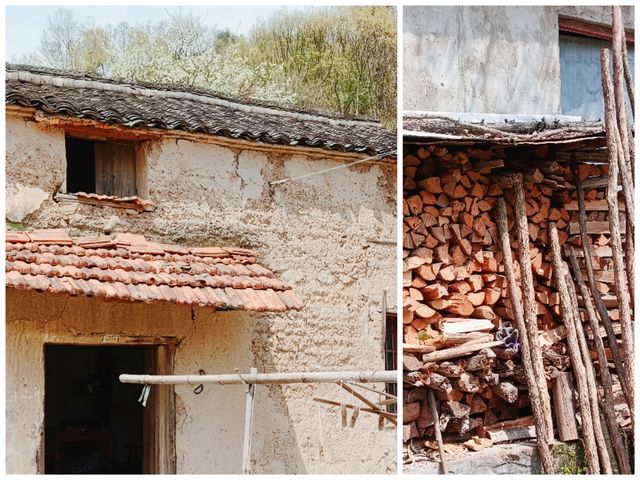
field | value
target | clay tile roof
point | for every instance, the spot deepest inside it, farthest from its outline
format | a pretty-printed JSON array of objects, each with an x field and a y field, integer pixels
[
  {"x": 167, "y": 107},
  {"x": 130, "y": 268}
]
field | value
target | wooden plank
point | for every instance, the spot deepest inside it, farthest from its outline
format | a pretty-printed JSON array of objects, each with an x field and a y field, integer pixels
[
  {"x": 564, "y": 407},
  {"x": 593, "y": 206},
  {"x": 115, "y": 169},
  {"x": 594, "y": 227},
  {"x": 465, "y": 325}
]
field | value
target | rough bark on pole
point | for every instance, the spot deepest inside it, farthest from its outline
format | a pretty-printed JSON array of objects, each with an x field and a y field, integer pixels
[
  {"x": 603, "y": 367},
  {"x": 598, "y": 429},
  {"x": 590, "y": 447},
  {"x": 618, "y": 79},
  {"x": 595, "y": 293},
  {"x": 528, "y": 292},
  {"x": 436, "y": 427},
  {"x": 628, "y": 81},
  {"x": 620, "y": 278},
  {"x": 543, "y": 419}
]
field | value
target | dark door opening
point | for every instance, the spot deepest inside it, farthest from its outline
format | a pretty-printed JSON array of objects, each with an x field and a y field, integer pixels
[{"x": 93, "y": 423}]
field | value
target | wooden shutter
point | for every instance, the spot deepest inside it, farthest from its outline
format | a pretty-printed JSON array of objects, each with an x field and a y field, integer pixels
[{"x": 115, "y": 169}]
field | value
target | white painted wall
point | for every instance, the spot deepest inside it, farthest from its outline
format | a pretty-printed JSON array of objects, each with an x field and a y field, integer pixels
[{"x": 311, "y": 233}]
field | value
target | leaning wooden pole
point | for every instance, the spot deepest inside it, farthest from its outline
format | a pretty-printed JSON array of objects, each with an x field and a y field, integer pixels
[
  {"x": 588, "y": 436},
  {"x": 590, "y": 377},
  {"x": 618, "y": 80},
  {"x": 528, "y": 292},
  {"x": 620, "y": 277},
  {"x": 603, "y": 368},
  {"x": 436, "y": 427},
  {"x": 543, "y": 419},
  {"x": 628, "y": 80},
  {"x": 595, "y": 293}
]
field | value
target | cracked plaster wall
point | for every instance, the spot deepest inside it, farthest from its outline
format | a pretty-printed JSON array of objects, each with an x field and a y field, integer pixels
[{"x": 313, "y": 233}]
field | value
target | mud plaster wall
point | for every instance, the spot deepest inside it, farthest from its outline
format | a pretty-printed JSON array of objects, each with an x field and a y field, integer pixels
[
  {"x": 313, "y": 234},
  {"x": 487, "y": 59}
]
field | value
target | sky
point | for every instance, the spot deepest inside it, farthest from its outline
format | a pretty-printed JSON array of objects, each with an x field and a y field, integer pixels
[{"x": 25, "y": 24}]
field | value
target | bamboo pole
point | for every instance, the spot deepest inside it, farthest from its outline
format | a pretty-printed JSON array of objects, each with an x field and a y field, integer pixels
[
  {"x": 543, "y": 419},
  {"x": 595, "y": 293},
  {"x": 620, "y": 278},
  {"x": 603, "y": 367},
  {"x": 598, "y": 429},
  {"x": 436, "y": 427},
  {"x": 248, "y": 425},
  {"x": 590, "y": 447},
  {"x": 376, "y": 376},
  {"x": 528, "y": 291}
]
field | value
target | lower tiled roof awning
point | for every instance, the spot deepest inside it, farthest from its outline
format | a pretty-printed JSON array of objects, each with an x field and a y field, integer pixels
[{"x": 130, "y": 268}]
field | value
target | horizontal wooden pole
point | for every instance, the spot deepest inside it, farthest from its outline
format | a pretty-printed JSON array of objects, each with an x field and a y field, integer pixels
[{"x": 376, "y": 376}]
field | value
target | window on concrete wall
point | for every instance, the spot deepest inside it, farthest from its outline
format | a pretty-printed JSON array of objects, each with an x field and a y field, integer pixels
[
  {"x": 581, "y": 87},
  {"x": 105, "y": 168}
]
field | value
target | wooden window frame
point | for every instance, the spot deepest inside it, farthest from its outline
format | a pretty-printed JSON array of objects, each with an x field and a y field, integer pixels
[
  {"x": 140, "y": 149},
  {"x": 588, "y": 29},
  {"x": 159, "y": 418}
]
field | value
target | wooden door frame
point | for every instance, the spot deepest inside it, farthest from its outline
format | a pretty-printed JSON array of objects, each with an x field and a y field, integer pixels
[{"x": 159, "y": 418}]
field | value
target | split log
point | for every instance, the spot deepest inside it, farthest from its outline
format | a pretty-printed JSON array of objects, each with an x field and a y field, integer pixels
[{"x": 565, "y": 408}]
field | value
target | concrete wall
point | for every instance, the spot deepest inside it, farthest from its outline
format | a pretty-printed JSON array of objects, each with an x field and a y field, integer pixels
[
  {"x": 312, "y": 233},
  {"x": 481, "y": 59}
]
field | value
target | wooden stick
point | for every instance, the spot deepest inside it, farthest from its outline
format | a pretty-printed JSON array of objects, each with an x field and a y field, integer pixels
[
  {"x": 362, "y": 398},
  {"x": 605, "y": 375},
  {"x": 620, "y": 277},
  {"x": 618, "y": 79},
  {"x": 436, "y": 427},
  {"x": 543, "y": 419},
  {"x": 565, "y": 407},
  {"x": 590, "y": 447},
  {"x": 628, "y": 81},
  {"x": 529, "y": 300},
  {"x": 377, "y": 411},
  {"x": 605, "y": 460},
  {"x": 595, "y": 293}
]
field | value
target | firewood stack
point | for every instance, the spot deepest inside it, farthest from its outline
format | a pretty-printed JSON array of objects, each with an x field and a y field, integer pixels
[{"x": 457, "y": 311}]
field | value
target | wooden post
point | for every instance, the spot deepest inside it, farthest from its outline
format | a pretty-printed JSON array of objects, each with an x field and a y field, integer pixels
[
  {"x": 603, "y": 367},
  {"x": 248, "y": 425},
  {"x": 618, "y": 79},
  {"x": 620, "y": 278},
  {"x": 528, "y": 291},
  {"x": 436, "y": 427},
  {"x": 595, "y": 293},
  {"x": 565, "y": 408},
  {"x": 543, "y": 419},
  {"x": 590, "y": 447},
  {"x": 603, "y": 452},
  {"x": 629, "y": 82}
]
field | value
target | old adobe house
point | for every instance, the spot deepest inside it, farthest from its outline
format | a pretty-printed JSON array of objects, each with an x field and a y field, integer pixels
[{"x": 152, "y": 234}]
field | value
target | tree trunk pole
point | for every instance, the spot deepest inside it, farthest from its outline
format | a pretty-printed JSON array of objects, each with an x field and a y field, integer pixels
[
  {"x": 620, "y": 278},
  {"x": 598, "y": 429},
  {"x": 602, "y": 309},
  {"x": 603, "y": 367},
  {"x": 543, "y": 419},
  {"x": 590, "y": 446},
  {"x": 529, "y": 300},
  {"x": 436, "y": 427},
  {"x": 618, "y": 80},
  {"x": 628, "y": 80}
]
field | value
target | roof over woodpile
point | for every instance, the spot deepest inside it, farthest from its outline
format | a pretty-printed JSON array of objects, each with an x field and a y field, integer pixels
[
  {"x": 529, "y": 133},
  {"x": 156, "y": 106},
  {"x": 130, "y": 268}
]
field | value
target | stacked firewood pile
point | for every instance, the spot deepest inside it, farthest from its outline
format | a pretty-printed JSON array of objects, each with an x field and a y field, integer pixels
[{"x": 461, "y": 340}]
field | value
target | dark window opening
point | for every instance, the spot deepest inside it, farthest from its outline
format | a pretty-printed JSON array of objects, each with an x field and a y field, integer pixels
[
  {"x": 93, "y": 423},
  {"x": 105, "y": 168},
  {"x": 390, "y": 354}
]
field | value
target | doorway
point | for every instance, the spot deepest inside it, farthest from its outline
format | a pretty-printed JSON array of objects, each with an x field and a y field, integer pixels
[{"x": 93, "y": 423}]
